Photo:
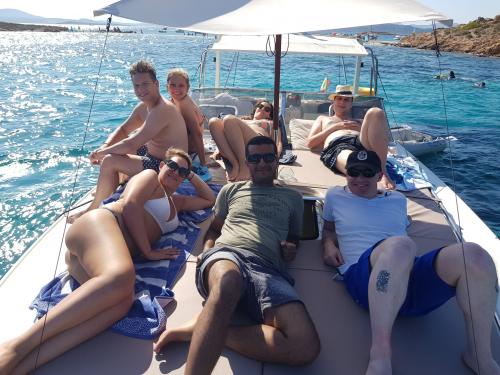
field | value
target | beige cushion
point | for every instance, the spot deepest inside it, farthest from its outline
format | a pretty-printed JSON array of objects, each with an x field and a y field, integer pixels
[{"x": 299, "y": 131}]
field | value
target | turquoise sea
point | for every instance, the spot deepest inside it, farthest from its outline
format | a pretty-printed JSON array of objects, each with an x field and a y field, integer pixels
[{"x": 47, "y": 87}]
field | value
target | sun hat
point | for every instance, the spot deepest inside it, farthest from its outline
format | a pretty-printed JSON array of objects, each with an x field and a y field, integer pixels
[
  {"x": 341, "y": 90},
  {"x": 364, "y": 158}
]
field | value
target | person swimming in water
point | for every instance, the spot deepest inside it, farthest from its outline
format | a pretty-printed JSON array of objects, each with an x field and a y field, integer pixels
[{"x": 450, "y": 75}]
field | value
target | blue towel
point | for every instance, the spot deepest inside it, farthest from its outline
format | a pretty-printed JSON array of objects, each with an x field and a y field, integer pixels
[
  {"x": 406, "y": 173},
  {"x": 146, "y": 319},
  {"x": 201, "y": 170}
]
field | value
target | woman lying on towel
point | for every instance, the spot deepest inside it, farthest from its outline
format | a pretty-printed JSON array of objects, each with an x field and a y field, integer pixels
[
  {"x": 232, "y": 134},
  {"x": 100, "y": 244}
]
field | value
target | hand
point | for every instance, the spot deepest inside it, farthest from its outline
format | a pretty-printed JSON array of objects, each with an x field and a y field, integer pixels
[
  {"x": 350, "y": 125},
  {"x": 288, "y": 250},
  {"x": 163, "y": 254},
  {"x": 332, "y": 256},
  {"x": 95, "y": 157}
]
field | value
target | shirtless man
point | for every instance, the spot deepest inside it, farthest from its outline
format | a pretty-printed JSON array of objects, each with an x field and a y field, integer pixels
[
  {"x": 141, "y": 141},
  {"x": 178, "y": 87},
  {"x": 339, "y": 135}
]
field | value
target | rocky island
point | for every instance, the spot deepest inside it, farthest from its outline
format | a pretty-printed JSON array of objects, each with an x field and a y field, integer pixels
[
  {"x": 6, "y": 26},
  {"x": 480, "y": 37}
]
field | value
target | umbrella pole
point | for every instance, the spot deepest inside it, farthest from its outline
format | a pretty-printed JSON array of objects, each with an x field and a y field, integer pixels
[{"x": 277, "y": 72}]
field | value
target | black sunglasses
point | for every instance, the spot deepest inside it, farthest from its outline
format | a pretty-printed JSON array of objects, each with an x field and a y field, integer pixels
[
  {"x": 181, "y": 171},
  {"x": 256, "y": 158},
  {"x": 354, "y": 172},
  {"x": 266, "y": 108}
]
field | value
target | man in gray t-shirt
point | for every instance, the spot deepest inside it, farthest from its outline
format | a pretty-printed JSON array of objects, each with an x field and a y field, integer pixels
[{"x": 256, "y": 229}]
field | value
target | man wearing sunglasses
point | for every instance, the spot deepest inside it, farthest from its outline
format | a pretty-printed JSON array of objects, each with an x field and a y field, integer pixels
[
  {"x": 254, "y": 233},
  {"x": 364, "y": 235},
  {"x": 341, "y": 134}
]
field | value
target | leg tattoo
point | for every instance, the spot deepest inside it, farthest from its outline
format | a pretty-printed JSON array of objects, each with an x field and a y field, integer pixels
[{"x": 383, "y": 281}]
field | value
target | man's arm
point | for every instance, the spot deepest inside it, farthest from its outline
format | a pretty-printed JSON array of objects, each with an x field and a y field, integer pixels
[
  {"x": 213, "y": 232},
  {"x": 289, "y": 246},
  {"x": 133, "y": 122},
  {"x": 331, "y": 252},
  {"x": 317, "y": 136},
  {"x": 153, "y": 124}
]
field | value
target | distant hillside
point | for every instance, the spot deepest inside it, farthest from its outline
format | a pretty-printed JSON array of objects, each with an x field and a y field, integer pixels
[
  {"x": 18, "y": 16},
  {"x": 480, "y": 37}
]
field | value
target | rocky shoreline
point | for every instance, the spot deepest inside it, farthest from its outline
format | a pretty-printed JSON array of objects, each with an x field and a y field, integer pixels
[
  {"x": 480, "y": 37},
  {"x": 6, "y": 26}
]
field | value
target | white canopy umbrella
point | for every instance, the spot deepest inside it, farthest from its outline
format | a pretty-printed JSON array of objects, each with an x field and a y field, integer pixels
[{"x": 271, "y": 17}]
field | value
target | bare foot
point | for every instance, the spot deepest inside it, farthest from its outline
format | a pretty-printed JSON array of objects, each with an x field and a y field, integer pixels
[
  {"x": 490, "y": 368},
  {"x": 244, "y": 174},
  {"x": 379, "y": 367},
  {"x": 233, "y": 174},
  {"x": 8, "y": 358},
  {"x": 182, "y": 333},
  {"x": 71, "y": 218},
  {"x": 387, "y": 182}
]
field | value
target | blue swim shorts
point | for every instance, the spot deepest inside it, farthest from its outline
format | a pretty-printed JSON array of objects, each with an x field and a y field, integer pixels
[
  {"x": 264, "y": 286},
  {"x": 148, "y": 160},
  {"x": 426, "y": 290}
]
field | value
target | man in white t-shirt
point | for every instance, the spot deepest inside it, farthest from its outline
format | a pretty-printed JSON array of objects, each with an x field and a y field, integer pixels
[{"x": 364, "y": 235}]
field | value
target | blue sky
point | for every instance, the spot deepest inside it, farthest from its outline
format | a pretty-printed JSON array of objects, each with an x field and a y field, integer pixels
[{"x": 460, "y": 10}]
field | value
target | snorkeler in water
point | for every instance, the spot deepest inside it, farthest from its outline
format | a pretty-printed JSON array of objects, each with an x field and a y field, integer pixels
[{"x": 450, "y": 75}]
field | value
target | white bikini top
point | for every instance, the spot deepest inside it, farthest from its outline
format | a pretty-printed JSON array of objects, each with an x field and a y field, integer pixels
[{"x": 159, "y": 209}]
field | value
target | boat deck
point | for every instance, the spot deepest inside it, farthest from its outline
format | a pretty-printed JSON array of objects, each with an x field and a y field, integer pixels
[{"x": 424, "y": 345}]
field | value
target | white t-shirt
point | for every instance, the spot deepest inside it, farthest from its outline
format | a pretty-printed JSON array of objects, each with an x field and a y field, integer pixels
[{"x": 362, "y": 222}]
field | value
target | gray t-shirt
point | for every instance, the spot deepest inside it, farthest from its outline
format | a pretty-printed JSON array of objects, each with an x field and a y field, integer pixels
[{"x": 258, "y": 218}]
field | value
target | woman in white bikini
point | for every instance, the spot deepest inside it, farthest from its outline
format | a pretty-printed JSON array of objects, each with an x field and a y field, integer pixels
[
  {"x": 100, "y": 244},
  {"x": 233, "y": 133}
]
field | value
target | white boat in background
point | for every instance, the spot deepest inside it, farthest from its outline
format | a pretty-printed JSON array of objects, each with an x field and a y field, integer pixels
[
  {"x": 427, "y": 345},
  {"x": 419, "y": 143}
]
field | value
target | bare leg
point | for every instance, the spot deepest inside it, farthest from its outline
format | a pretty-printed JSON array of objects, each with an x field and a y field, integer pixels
[
  {"x": 374, "y": 137},
  {"x": 238, "y": 133},
  {"x": 108, "y": 180},
  {"x": 216, "y": 127},
  {"x": 287, "y": 335},
  {"x": 207, "y": 342},
  {"x": 75, "y": 268},
  {"x": 479, "y": 314},
  {"x": 59, "y": 344},
  {"x": 341, "y": 161},
  {"x": 391, "y": 265},
  {"x": 97, "y": 242}
]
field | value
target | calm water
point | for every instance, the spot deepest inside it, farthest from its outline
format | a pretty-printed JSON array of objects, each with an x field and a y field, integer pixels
[{"x": 47, "y": 84}]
